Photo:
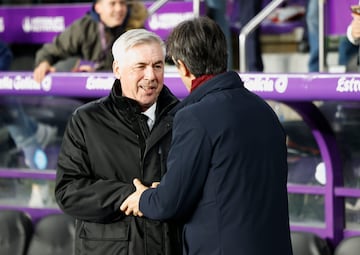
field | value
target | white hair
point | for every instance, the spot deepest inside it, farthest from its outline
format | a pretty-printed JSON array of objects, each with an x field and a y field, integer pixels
[{"x": 132, "y": 38}]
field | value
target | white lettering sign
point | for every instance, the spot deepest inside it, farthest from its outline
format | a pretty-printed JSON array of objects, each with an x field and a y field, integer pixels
[
  {"x": 23, "y": 83},
  {"x": 266, "y": 84},
  {"x": 97, "y": 83},
  {"x": 348, "y": 85},
  {"x": 168, "y": 20},
  {"x": 43, "y": 24}
]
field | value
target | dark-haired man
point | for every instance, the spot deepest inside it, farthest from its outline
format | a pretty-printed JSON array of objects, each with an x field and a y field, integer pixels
[{"x": 227, "y": 165}]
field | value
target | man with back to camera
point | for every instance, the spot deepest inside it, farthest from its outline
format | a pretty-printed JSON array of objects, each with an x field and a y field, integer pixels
[
  {"x": 227, "y": 165},
  {"x": 86, "y": 44},
  {"x": 110, "y": 141}
]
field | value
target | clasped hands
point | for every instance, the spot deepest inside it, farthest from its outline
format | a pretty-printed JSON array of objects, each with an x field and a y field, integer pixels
[{"x": 131, "y": 203}]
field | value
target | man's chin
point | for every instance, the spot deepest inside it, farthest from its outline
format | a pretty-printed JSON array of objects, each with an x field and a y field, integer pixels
[{"x": 145, "y": 106}]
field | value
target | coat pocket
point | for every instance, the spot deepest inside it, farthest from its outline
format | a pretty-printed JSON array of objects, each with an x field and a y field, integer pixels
[{"x": 118, "y": 231}]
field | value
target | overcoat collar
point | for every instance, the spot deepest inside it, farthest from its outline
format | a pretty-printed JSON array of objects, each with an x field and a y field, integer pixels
[{"x": 224, "y": 81}]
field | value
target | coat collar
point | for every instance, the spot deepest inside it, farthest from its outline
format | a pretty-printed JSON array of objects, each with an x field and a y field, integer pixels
[
  {"x": 224, "y": 81},
  {"x": 199, "y": 81},
  {"x": 165, "y": 102}
]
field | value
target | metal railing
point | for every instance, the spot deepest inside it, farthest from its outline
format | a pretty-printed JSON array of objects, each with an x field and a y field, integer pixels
[
  {"x": 250, "y": 27},
  {"x": 321, "y": 35},
  {"x": 159, "y": 3},
  {"x": 255, "y": 22}
]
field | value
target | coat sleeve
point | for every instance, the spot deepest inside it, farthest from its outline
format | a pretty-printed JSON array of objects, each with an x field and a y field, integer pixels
[
  {"x": 78, "y": 191},
  {"x": 188, "y": 164}
]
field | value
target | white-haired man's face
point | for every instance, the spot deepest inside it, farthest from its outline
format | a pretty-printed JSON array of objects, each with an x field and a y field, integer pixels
[{"x": 141, "y": 73}]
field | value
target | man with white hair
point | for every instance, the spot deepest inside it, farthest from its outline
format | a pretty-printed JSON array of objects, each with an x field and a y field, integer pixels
[{"x": 110, "y": 141}]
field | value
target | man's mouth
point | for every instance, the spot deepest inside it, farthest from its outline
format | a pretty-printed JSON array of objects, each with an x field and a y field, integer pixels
[{"x": 147, "y": 87}]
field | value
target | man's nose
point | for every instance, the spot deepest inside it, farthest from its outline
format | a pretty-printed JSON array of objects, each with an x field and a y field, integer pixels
[{"x": 149, "y": 73}]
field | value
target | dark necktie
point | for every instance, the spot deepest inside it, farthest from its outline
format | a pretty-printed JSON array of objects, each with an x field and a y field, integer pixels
[{"x": 144, "y": 125}]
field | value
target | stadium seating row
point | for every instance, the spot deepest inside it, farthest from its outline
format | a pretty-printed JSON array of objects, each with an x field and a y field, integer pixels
[
  {"x": 54, "y": 235},
  {"x": 306, "y": 243},
  {"x": 51, "y": 235}
]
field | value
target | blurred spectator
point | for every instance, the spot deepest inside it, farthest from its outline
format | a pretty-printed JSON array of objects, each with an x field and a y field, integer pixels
[
  {"x": 5, "y": 57},
  {"x": 353, "y": 31},
  {"x": 312, "y": 23},
  {"x": 29, "y": 136},
  {"x": 347, "y": 52},
  {"x": 346, "y": 49},
  {"x": 85, "y": 45},
  {"x": 216, "y": 10}
]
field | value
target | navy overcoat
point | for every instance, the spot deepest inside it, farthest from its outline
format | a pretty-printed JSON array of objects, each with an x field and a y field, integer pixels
[{"x": 227, "y": 173}]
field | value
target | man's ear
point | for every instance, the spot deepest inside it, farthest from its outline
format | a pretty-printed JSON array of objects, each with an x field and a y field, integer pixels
[
  {"x": 116, "y": 69},
  {"x": 183, "y": 69}
]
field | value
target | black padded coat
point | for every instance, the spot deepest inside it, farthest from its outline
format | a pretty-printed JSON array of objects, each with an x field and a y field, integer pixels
[{"x": 104, "y": 148}]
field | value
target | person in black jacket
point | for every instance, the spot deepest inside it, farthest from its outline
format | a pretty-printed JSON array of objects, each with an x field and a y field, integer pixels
[
  {"x": 227, "y": 165},
  {"x": 110, "y": 141}
]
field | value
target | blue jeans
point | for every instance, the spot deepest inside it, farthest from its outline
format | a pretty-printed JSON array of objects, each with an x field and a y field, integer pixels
[
  {"x": 217, "y": 12},
  {"x": 312, "y": 22},
  {"x": 347, "y": 51}
]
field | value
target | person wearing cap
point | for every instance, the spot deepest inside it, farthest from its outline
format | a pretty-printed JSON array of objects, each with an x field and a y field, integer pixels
[
  {"x": 85, "y": 44},
  {"x": 227, "y": 167}
]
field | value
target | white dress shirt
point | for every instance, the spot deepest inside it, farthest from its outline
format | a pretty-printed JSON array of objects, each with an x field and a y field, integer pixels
[{"x": 150, "y": 113}]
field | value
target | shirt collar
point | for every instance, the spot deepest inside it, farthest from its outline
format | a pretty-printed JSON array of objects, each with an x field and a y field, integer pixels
[{"x": 150, "y": 113}]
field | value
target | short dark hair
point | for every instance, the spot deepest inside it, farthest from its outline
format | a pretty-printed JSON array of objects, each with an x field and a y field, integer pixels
[{"x": 200, "y": 44}]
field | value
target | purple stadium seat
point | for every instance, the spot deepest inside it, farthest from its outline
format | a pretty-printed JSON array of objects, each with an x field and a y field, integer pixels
[{"x": 16, "y": 229}]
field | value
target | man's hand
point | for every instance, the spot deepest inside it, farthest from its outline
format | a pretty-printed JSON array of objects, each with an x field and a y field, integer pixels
[
  {"x": 131, "y": 203},
  {"x": 85, "y": 68},
  {"x": 154, "y": 184},
  {"x": 41, "y": 70}
]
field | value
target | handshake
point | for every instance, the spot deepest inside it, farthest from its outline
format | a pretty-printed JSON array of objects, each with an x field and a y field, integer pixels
[{"x": 131, "y": 203}]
